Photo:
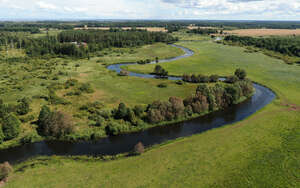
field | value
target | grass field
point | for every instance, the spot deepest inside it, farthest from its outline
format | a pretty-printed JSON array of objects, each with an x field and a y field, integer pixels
[
  {"x": 261, "y": 151},
  {"x": 264, "y": 32}
]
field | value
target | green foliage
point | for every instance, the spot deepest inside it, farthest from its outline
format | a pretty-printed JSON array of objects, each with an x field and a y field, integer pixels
[
  {"x": 159, "y": 71},
  {"x": 23, "y": 106},
  {"x": 30, "y": 138},
  {"x": 82, "y": 43},
  {"x": 11, "y": 126},
  {"x": 2, "y": 136},
  {"x": 139, "y": 111},
  {"x": 54, "y": 99},
  {"x": 202, "y": 31},
  {"x": 115, "y": 128},
  {"x": 121, "y": 112},
  {"x": 232, "y": 79},
  {"x": 56, "y": 124},
  {"x": 86, "y": 88},
  {"x": 284, "y": 45},
  {"x": 240, "y": 73},
  {"x": 71, "y": 83},
  {"x": 200, "y": 78},
  {"x": 162, "y": 85}
]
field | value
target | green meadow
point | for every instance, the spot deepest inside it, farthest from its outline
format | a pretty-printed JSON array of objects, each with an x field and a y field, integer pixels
[{"x": 261, "y": 151}]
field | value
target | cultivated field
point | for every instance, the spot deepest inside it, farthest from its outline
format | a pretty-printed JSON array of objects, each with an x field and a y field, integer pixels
[{"x": 264, "y": 32}]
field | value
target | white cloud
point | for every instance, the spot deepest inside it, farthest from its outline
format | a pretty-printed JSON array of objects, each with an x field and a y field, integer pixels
[
  {"x": 45, "y": 5},
  {"x": 155, "y": 9}
]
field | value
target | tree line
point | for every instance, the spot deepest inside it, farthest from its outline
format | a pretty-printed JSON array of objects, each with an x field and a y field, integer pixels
[
  {"x": 203, "y": 31},
  {"x": 82, "y": 43},
  {"x": 284, "y": 45}
]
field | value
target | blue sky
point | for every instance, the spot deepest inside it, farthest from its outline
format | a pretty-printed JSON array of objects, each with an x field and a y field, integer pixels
[{"x": 150, "y": 9}]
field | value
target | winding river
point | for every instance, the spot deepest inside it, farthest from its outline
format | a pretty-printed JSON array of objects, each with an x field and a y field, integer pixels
[{"x": 125, "y": 142}]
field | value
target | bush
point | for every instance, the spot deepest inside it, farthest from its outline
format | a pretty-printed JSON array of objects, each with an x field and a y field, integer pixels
[
  {"x": 214, "y": 78},
  {"x": 162, "y": 85},
  {"x": 139, "y": 148},
  {"x": 231, "y": 79},
  {"x": 54, "y": 99},
  {"x": 2, "y": 137},
  {"x": 159, "y": 71},
  {"x": 124, "y": 73},
  {"x": 5, "y": 170},
  {"x": 23, "y": 107},
  {"x": 121, "y": 112},
  {"x": 139, "y": 111},
  {"x": 11, "y": 126},
  {"x": 86, "y": 88},
  {"x": 240, "y": 73},
  {"x": 115, "y": 128},
  {"x": 70, "y": 83},
  {"x": 179, "y": 82}
]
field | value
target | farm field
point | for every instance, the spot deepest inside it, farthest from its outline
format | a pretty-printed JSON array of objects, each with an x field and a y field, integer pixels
[
  {"x": 261, "y": 151},
  {"x": 263, "y": 32}
]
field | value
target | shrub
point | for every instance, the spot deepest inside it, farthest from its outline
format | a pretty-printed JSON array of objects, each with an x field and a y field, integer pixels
[
  {"x": 5, "y": 170},
  {"x": 240, "y": 73},
  {"x": 162, "y": 85},
  {"x": 23, "y": 107},
  {"x": 100, "y": 121},
  {"x": 139, "y": 148},
  {"x": 159, "y": 71},
  {"x": 115, "y": 128},
  {"x": 121, "y": 112},
  {"x": 124, "y": 73},
  {"x": 139, "y": 111},
  {"x": 54, "y": 99},
  {"x": 11, "y": 126},
  {"x": 2, "y": 137},
  {"x": 86, "y": 87},
  {"x": 179, "y": 82},
  {"x": 231, "y": 79},
  {"x": 71, "y": 83},
  {"x": 214, "y": 78}
]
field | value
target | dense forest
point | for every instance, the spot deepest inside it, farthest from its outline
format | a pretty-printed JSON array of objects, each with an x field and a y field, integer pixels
[
  {"x": 203, "y": 31},
  {"x": 285, "y": 45},
  {"x": 81, "y": 43}
]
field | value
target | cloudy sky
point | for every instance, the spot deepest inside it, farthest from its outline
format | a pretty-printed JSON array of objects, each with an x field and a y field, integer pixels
[{"x": 150, "y": 9}]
